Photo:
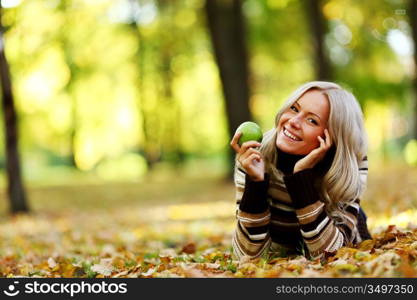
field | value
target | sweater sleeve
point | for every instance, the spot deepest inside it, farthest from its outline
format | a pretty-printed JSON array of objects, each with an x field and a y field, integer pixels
[
  {"x": 319, "y": 230},
  {"x": 251, "y": 237}
]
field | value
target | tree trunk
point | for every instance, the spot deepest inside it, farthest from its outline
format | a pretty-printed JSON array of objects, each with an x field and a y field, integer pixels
[
  {"x": 172, "y": 135},
  {"x": 172, "y": 117},
  {"x": 227, "y": 32},
  {"x": 317, "y": 24},
  {"x": 64, "y": 6},
  {"x": 16, "y": 192},
  {"x": 413, "y": 24},
  {"x": 150, "y": 148}
]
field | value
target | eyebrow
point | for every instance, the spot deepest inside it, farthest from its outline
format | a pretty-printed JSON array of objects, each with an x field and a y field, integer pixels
[{"x": 296, "y": 102}]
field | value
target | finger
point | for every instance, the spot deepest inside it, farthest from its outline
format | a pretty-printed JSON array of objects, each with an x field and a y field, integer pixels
[
  {"x": 328, "y": 139},
  {"x": 322, "y": 143},
  {"x": 248, "y": 161},
  {"x": 234, "y": 143},
  {"x": 250, "y": 144},
  {"x": 248, "y": 152},
  {"x": 316, "y": 155},
  {"x": 243, "y": 155},
  {"x": 318, "y": 152}
]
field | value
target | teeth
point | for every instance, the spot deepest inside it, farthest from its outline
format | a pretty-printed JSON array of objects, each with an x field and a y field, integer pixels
[{"x": 290, "y": 135}]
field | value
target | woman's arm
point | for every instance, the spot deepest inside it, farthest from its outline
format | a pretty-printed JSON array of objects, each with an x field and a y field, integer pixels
[
  {"x": 319, "y": 230},
  {"x": 251, "y": 237}
]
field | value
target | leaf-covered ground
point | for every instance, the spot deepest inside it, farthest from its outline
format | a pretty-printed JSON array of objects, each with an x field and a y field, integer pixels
[{"x": 183, "y": 229}]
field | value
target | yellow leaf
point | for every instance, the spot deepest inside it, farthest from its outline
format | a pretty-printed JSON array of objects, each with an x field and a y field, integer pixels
[{"x": 366, "y": 245}]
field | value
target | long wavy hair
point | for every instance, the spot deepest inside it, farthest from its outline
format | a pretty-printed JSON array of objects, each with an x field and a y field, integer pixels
[{"x": 342, "y": 183}]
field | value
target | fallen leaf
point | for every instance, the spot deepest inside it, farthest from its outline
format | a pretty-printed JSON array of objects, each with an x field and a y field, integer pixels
[
  {"x": 104, "y": 267},
  {"x": 189, "y": 248},
  {"x": 51, "y": 263},
  {"x": 366, "y": 245}
]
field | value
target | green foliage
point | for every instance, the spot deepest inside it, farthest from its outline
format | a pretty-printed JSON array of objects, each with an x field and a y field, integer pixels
[
  {"x": 86, "y": 265},
  {"x": 142, "y": 80}
]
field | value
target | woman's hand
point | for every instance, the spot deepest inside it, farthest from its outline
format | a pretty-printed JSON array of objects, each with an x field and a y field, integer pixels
[
  {"x": 250, "y": 158},
  {"x": 316, "y": 155}
]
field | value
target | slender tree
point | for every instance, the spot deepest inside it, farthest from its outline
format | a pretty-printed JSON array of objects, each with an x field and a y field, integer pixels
[
  {"x": 150, "y": 147},
  {"x": 227, "y": 31},
  {"x": 15, "y": 189},
  {"x": 172, "y": 133},
  {"x": 413, "y": 24},
  {"x": 65, "y": 42},
  {"x": 317, "y": 24}
]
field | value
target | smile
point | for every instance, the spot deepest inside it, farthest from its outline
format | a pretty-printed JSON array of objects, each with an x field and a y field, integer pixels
[{"x": 291, "y": 136}]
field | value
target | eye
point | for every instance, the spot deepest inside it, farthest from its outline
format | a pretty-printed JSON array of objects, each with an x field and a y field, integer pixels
[
  {"x": 293, "y": 108},
  {"x": 312, "y": 121}
]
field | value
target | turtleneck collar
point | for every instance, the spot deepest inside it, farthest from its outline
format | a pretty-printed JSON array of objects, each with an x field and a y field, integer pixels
[{"x": 286, "y": 161}]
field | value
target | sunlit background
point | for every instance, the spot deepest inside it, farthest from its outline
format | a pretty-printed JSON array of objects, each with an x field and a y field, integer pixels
[{"x": 129, "y": 91}]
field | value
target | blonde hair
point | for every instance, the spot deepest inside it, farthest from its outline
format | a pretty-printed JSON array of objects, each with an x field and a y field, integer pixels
[{"x": 342, "y": 183}]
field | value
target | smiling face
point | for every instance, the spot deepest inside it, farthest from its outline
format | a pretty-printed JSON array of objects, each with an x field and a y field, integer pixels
[{"x": 301, "y": 123}]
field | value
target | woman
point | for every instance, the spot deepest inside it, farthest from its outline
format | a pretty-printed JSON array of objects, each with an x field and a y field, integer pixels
[{"x": 300, "y": 191}]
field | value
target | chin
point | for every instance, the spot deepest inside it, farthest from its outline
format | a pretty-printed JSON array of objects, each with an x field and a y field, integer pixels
[
  {"x": 290, "y": 149},
  {"x": 285, "y": 148}
]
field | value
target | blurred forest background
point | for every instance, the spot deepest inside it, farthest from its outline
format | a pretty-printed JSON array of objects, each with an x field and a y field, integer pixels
[{"x": 127, "y": 103}]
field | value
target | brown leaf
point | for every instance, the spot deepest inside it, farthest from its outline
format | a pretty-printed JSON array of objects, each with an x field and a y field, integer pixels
[
  {"x": 277, "y": 260},
  {"x": 391, "y": 228},
  {"x": 194, "y": 273},
  {"x": 405, "y": 266},
  {"x": 189, "y": 248},
  {"x": 165, "y": 259},
  {"x": 392, "y": 233},
  {"x": 345, "y": 252},
  {"x": 118, "y": 263},
  {"x": 272, "y": 273}
]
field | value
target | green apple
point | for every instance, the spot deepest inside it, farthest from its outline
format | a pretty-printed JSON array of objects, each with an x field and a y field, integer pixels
[{"x": 250, "y": 132}]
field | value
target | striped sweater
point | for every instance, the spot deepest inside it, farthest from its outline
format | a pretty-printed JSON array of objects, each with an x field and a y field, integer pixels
[{"x": 284, "y": 215}]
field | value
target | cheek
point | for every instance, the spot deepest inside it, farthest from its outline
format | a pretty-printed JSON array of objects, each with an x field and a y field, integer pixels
[
  {"x": 284, "y": 118},
  {"x": 311, "y": 136}
]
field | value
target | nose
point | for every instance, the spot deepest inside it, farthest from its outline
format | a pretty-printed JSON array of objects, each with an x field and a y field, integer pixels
[{"x": 295, "y": 121}]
